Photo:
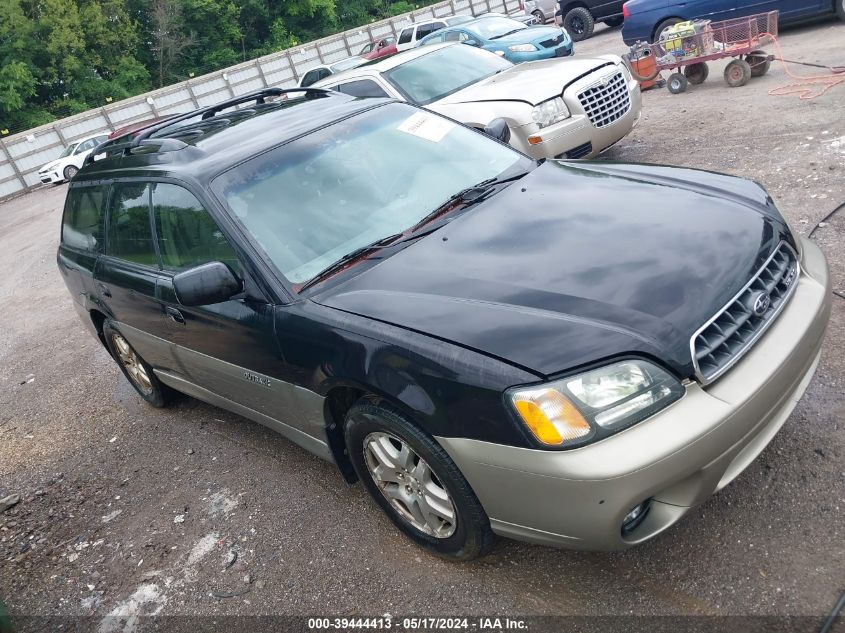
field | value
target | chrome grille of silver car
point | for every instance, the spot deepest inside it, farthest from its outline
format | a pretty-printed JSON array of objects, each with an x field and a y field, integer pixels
[
  {"x": 722, "y": 341},
  {"x": 607, "y": 101}
]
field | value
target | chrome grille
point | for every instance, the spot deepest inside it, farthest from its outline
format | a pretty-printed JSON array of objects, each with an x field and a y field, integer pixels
[
  {"x": 723, "y": 340},
  {"x": 606, "y": 102}
]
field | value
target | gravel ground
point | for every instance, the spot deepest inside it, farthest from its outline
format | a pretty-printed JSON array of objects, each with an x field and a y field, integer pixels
[{"x": 191, "y": 510}]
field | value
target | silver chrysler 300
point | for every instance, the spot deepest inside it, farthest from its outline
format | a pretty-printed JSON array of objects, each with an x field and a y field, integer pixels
[{"x": 554, "y": 108}]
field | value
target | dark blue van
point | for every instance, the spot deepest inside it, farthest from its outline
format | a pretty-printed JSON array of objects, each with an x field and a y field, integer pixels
[{"x": 646, "y": 19}]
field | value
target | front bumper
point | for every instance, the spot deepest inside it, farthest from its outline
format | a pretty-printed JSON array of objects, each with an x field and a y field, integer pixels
[
  {"x": 677, "y": 458},
  {"x": 563, "y": 50},
  {"x": 576, "y": 136},
  {"x": 50, "y": 177}
]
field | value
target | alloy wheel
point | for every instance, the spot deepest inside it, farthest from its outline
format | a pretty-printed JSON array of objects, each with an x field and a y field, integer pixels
[
  {"x": 409, "y": 485},
  {"x": 132, "y": 362}
]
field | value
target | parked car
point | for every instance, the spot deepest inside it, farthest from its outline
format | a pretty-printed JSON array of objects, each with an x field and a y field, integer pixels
[
  {"x": 556, "y": 108},
  {"x": 324, "y": 70},
  {"x": 645, "y": 20},
  {"x": 508, "y": 38},
  {"x": 569, "y": 353},
  {"x": 379, "y": 48},
  {"x": 137, "y": 126},
  {"x": 543, "y": 10},
  {"x": 412, "y": 34},
  {"x": 70, "y": 160},
  {"x": 579, "y": 17}
]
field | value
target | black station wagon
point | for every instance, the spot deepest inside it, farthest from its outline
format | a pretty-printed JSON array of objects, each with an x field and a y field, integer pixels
[{"x": 572, "y": 354}]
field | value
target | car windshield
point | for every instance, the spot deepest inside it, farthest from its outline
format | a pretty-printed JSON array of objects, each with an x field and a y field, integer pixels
[
  {"x": 459, "y": 19},
  {"x": 68, "y": 150},
  {"x": 493, "y": 27},
  {"x": 312, "y": 201},
  {"x": 347, "y": 64},
  {"x": 442, "y": 72}
]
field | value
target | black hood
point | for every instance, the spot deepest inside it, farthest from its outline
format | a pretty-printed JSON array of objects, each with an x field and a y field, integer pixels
[{"x": 578, "y": 262}]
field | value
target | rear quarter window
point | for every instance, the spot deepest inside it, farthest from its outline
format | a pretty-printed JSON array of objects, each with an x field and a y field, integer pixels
[
  {"x": 405, "y": 36},
  {"x": 82, "y": 222}
]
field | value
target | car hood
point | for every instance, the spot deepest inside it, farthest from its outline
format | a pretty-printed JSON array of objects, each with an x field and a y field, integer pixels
[
  {"x": 575, "y": 263},
  {"x": 531, "y": 82},
  {"x": 531, "y": 34}
]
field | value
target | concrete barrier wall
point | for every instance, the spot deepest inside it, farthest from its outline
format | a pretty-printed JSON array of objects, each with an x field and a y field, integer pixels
[{"x": 23, "y": 154}]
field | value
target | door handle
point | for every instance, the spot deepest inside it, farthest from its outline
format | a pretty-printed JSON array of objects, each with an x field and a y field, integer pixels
[
  {"x": 174, "y": 315},
  {"x": 104, "y": 291}
]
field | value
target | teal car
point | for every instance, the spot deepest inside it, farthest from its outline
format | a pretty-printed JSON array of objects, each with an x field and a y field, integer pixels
[{"x": 508, "y": 38}]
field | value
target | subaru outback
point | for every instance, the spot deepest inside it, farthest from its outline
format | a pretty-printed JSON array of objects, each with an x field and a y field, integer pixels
[{"x": 568, "y": 353}]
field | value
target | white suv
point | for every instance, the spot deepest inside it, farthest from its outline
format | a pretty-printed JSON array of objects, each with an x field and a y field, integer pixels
[{"x": 412, "y": 34}]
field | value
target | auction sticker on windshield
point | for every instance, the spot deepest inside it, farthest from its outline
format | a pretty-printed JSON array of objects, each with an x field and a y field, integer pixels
[{"x": 431, "y": 128}]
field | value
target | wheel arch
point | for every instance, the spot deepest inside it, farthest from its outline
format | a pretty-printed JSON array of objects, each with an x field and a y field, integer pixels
[{"x": 571, "y": 5}]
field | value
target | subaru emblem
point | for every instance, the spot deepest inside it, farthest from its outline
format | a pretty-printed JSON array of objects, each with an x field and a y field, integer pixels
[{"x": 760, "y": 303}]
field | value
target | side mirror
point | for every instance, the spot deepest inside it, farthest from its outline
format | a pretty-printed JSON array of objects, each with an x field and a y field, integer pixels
[
  {"x": 498, "y": 129},
  {"x": 206, "y": 284},
  {"x": 472, "y": 42}
]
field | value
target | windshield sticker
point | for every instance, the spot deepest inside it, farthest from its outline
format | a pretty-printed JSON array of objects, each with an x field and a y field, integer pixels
[{"x": 431, "y": 128}]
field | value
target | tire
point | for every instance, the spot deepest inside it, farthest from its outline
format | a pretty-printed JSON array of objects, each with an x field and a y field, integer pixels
[
  {"x": 663, "y": 26},
  {"x": 539, "y": 15},
  {"x": 69, "y": 172},
  {"x": 677, "y": 83},
  {"x": 840, "y": 9},
  {"x": 759, "y": 62},
  {"x": 579, "y": 23},
  {"x": 696, "y": 73},
  {"x": 376, "y": 437},
  {"x": 136, "y": 370},
  {"x": 615, "y": 21},
  {"x": 737, "y": 73}
]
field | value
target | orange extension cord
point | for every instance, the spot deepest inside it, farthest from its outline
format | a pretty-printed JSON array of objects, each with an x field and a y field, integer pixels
[{"x": 805, "y": 87}]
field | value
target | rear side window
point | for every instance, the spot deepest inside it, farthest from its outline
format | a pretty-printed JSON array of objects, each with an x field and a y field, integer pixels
[
  {"x": 187, "y": 234},
  {"x": 428, "y": 29},
  {"x": 130, "y": 235},
  {"x": 312, "y": 76},
  {"x": 362, "y": 88},
  {"x": 82, "y": 225},
  {"x": 405, "y": 36}
]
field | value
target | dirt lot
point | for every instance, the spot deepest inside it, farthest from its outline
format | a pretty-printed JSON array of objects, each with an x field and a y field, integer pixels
[{"x": 131, "y": 510}]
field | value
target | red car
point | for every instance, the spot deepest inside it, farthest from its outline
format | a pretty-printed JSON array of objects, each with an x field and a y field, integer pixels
[
  {"x": 137, "y": 126},
  {"x": 381, "y": 48}
]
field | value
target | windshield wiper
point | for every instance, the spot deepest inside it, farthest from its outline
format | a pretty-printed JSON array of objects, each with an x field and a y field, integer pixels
[
  {"x": 495, "y": 37},
  {"x": 349, "y": 257},
  {"x": 462, "y": 199}
]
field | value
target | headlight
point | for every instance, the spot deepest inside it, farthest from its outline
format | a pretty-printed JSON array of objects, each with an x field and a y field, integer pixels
[
  {"x": 550, "y": 112},
  {"x": 596, "y": 403},
  {"x": 500, "y": 53},
  {"x": 522, "y": 48}
]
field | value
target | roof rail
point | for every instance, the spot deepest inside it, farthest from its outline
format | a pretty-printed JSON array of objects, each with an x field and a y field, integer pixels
[
  {"x": 141, "y": 137},
  {"x": 209, "y": 111}
]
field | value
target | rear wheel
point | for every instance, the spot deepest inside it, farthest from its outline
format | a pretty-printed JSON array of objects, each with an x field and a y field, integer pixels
[
  {"x": 539, "y": 15},
  {"x": 737, "y": 73},
  {"x": 579, "y": 22},
  {"x": 69, "y": 172},
  {"x": 614, "y": 22},
  {"x": 759, "y": 62},
  {"x": 696, "y": 73},
  {"x": 139, "y": 374},
  {"x": 677, "y": 83},
  {"x": 663, "y": 26},
  {"x": 416, "y": 483}
]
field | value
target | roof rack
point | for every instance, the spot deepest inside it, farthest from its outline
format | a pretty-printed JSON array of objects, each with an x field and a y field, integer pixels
[
  {"x": 208, "y": 112},
  {"x": 142, "y": 137}
]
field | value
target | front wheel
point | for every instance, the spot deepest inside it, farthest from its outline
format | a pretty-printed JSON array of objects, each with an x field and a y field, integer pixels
[
  {"x": 541, "y": 19},
  {"x": 579, "y": 22},
  {"x": 677, "y": 83},
  {"x": 416, "y": 483},
  {"x": 696, "y": 73},
  {"x": 759, "y": 62},
  {"x": 737, "y": 73},
  {"x": 69, "y": 172},
  {"x": 139, "y": 374}
]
